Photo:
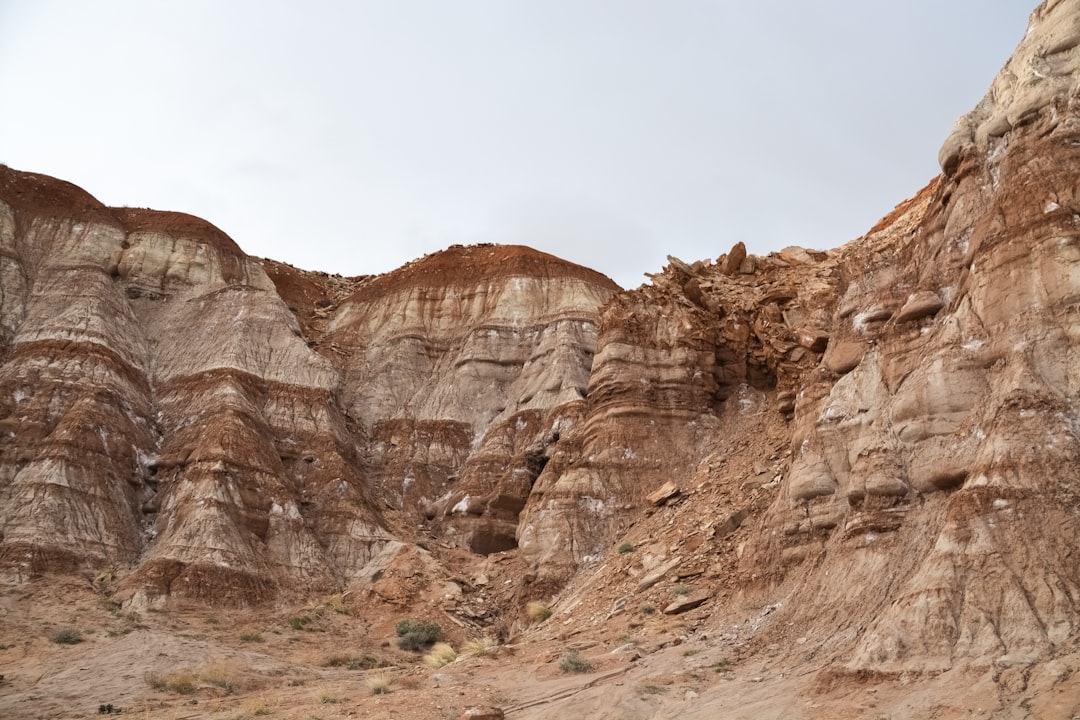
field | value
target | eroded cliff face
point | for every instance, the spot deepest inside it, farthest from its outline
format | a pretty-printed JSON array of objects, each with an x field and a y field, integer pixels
[
  {"x": 924, "y": 515},
  {"x": 166, "y": 419},
  {"x": 878, "y": 443},
  {"x": 948, "y": 452}
]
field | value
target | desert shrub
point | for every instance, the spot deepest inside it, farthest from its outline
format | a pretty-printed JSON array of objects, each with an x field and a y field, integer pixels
[
  {"x": 379, "y": 684},
  {"x": 648, "y": 609},
  {"x": 363, "y": 663},
  {"x": 571, "y": 662},
  {"x": 299, "y": 622},
  {"x": 351, "y": 662},
  {"x": 537, "y": 611},
  {"x": 183, "y": 682},
  {"x": 251, "y": 637},
  {"x": 415, "y": 635},
  {"x": 67, "y": 636},
  {"x": 336, "y": 603},
  {"x": 680, "y": 590},
  {"x": 626, "y": 548},
  {"x": 441, "y": 654},
  {"x": 479, "y": 647},
  {"x": 222, "y": 675}
]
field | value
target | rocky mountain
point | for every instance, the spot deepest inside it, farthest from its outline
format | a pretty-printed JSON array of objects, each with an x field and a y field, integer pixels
[{"x": 870, "y": 451}]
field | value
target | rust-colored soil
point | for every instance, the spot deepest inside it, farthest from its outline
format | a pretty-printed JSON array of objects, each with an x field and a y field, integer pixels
[{"x": 472, "y": 264}]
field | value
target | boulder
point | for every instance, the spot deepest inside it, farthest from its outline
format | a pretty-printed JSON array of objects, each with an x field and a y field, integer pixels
[
  {"x": 683, "y": 604},
  {"x": 661, "y": 495},
  {"x": 921, "y": 304}
]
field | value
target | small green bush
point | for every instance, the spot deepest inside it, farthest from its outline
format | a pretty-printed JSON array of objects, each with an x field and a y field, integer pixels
[
  {"x": 648, "y": 609},
  {"x": 415, "y": 635},
  {"x": 299, "y": 622},
  {"x": 571, "y": 662},
  {"x": 67, "y": 636},
  {"x": 626, "y": 548}
]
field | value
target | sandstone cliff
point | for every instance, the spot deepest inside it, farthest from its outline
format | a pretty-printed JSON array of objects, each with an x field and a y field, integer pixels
[{"x": 877, "y": 444}]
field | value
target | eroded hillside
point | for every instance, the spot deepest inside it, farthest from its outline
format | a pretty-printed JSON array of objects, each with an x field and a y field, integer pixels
[{"x": 840, "y": 472}]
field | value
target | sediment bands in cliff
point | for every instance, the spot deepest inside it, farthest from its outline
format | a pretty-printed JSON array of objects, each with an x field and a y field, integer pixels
[
  {"x": 167, "y": 418},
  {"x": 879, "y": 442}
]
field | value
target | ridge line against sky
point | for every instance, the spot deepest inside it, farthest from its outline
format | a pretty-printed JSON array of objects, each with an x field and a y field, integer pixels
[{"x": 353, "y": 137}]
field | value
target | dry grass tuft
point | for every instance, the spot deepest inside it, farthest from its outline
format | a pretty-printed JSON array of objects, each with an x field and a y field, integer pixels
[
  {"x": 223, "y": 675},
  {"x": 480, "y": 647},
  {"x": 537, "y": 611},
  {"x": 571, "y": 662},
  {"x": 186, "y": 681},
  {"x": 182, "y": 682},
  {"x": 67, "y": 636},
  {"x": 441, "y": 654},
  {"x": 254, "y": 707},
  {"x": 379, "y": 683}
]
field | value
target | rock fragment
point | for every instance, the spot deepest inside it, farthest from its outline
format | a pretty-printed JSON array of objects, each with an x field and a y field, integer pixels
[
  {"x": 661, "y": 495},
  {"x": 686, "y": 603}
]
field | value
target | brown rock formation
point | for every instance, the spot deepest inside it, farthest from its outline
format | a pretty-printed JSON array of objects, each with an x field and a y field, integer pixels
[
  {"x": 876, "y": 444},
  {"x": 164, "y": 410}
]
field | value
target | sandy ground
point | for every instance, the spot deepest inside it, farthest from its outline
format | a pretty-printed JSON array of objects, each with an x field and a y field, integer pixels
[{"x": 204, "y": 663}]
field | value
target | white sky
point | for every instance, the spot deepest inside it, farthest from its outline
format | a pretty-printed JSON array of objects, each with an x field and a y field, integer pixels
[{"x": 354, "y": 136}]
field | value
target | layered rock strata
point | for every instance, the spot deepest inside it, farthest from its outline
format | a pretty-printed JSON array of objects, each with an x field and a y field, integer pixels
[
  {"x": 174, "y": 417},
  {"x": 206, "y": 425}
]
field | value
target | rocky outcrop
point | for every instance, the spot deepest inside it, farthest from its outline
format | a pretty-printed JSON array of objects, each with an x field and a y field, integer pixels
[
  {"x": 162, "y": 412},
  {"x": 876, "y": 442},
  {"x": 173, "y": 413},
  {"x": 955, "y": 429},
  {"x": 678, "y": 365},
  {"x": 450, "y": 346},
  {"x": 922, "y": 375}
]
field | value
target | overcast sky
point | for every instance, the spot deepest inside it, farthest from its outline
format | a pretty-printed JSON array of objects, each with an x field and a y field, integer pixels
[{"x": 353, "y": 136}]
